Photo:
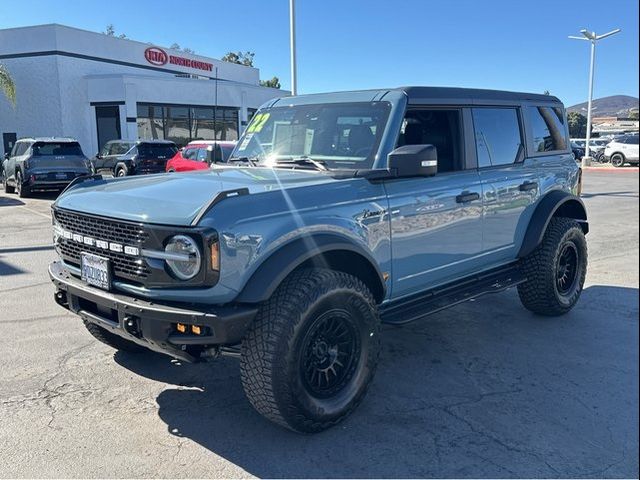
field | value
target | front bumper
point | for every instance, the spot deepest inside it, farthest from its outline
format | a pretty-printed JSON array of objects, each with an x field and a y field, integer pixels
[{"x": 152, "y": 324}]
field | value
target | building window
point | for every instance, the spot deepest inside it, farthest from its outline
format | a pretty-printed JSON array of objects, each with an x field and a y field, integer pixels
[
  {"x": 498, "y": 138},
  {"x": 183, "y": 123},
  {"x": 548, "y": 129},
  {"x": 150, "y": 122}
]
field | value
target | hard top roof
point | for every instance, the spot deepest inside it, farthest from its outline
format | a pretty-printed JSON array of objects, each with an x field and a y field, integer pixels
[
  {"x": 49, "y": 139},
  {"x": 418, "y": 94}
]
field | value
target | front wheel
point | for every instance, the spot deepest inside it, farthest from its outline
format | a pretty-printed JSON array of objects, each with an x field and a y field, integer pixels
[
  {"x": 617, "y": 160},
  {"x": 312, "y": 351},
  {"x": 7, "y": 188},
  {"x": 555, "y": 270},
  {"x": 121, "y": 171}
]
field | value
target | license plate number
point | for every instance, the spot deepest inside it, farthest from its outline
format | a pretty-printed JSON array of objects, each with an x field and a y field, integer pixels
[{"x": 95, "y": 270}]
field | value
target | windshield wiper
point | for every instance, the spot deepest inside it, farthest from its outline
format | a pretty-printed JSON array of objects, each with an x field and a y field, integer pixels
[
  {"x": 304, "y": 160},
  {"x": 250, "y": 160}
]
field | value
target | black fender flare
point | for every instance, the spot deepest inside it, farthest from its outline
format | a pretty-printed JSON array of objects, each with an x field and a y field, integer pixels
[
  {"x": 291, "y": 255},
  {"x": 556, "y": 203}
]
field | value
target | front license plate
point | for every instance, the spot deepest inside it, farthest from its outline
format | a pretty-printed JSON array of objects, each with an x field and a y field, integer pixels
[
  {"x": 95, "y": 270},
  {"x": 61, "y": 176}
]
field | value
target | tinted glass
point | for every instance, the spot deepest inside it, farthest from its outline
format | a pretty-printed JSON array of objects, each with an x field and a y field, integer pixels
[
  {"x": 148, "y": 150},
  {"x": 41, "y": 149},
  {"x": 226, "y": 152},
  {"x": 498, "y": 138},
  {"x": 632, "y": 140},
  {"x": 317, "y": 131},
  {"x": 548, "y": 130}
]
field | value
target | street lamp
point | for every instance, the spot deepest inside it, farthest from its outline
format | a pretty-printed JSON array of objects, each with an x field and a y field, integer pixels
[
  {"x": 593, "y": 38},
  {"x": 292, "y": 40}
]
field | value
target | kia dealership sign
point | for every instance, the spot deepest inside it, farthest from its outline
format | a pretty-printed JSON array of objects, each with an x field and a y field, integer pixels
[{"x": 157, "y": 56}]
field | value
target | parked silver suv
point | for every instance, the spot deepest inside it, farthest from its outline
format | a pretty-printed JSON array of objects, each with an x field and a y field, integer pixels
[
  {"x": 41, "y": 163},
  {"x": 623, "y": 150}
]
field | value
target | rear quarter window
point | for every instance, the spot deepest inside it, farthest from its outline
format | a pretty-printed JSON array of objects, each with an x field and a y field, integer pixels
[{"x": 548, "y": 131}]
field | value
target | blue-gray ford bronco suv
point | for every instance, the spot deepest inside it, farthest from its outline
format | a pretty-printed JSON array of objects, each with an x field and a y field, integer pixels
[{"x": 337, "y": 212}]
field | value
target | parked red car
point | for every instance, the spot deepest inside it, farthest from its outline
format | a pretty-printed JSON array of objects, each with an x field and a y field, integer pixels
[{"x": 199, "y": 155}]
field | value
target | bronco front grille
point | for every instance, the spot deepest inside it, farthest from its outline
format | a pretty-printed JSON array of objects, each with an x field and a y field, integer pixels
[{"x": 131, "y": 267}]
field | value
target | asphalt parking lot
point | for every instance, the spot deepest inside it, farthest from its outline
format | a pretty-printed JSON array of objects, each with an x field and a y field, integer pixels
[{"x": 485, "y": 389}]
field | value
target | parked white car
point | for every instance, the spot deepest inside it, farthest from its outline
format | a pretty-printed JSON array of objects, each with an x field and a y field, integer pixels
[{"x": 623, "y": 150}]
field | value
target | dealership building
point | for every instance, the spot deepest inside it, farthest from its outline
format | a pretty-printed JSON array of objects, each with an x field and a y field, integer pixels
[{"x": 96, "y": 88}]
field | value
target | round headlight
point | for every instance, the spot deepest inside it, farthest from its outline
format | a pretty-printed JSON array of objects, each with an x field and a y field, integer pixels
[{"x": 183, "y": 257}]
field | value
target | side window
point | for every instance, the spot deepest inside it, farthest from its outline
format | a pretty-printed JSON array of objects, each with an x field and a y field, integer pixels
[
  {"x": 202, "y": 155},
  {"x": 548, "y": 129},
  {"x": 21, "y": 148},
  {"x": 632, "y": 140},
  {"x": 16, "y": 147},
  {"x": 440, "y": 128},
  {"x": 105, "y": 149},
  {"x": 498, "y": 138},
  {"x": 189, "y": 153}
]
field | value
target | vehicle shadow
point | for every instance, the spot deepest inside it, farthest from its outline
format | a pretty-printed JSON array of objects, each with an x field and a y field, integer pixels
[
  {"x": 485, "y": 389},
  {"x": 628, "y": 194},
  {"x": 9, "y": 202}
]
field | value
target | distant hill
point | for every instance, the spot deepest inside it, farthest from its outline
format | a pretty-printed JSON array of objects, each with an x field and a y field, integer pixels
[{"x": 613, "y": 106}]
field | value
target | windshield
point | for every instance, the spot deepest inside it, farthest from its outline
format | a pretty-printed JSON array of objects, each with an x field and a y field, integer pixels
[
  {"x": 148, "y": 150},
  {"x": 226, "y": 151},
  {"x": 339, "y": 135},
  {"x": 41, "y": 149}
]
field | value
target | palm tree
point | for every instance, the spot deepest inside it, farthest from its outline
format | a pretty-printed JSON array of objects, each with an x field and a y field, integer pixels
[{"x": 6, "y": 84}]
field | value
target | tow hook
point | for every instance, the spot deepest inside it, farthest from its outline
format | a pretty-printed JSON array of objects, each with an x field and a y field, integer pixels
[{"x": 130, "y": 324}]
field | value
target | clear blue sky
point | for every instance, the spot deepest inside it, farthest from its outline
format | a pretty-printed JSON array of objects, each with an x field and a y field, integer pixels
[{"x": 352, "y": 44}]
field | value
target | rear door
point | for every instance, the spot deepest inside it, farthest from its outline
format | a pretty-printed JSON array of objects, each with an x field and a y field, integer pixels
[
  {"x": 436, "y": 222},
  {"x": 509, "y": 181},
  {"x": 630, "y": 148}
]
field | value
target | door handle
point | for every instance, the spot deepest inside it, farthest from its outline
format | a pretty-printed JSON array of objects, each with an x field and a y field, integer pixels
[
  {"x": 465, "y": 197},
  {"x": 526, "y": 186}
]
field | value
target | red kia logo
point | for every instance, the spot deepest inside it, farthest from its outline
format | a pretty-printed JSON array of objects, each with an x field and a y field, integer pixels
[{"x": 156, "y": 56}]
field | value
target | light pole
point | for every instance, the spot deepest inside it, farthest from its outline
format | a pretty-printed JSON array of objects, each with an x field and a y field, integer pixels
[
  {"x": 292, "y": 41},
  {"x": 593, "y": 38}
]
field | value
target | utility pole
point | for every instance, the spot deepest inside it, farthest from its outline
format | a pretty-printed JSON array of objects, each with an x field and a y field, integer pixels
[
  {"x": 593, "y": 38},
  {"x": 292, "y": 41}
]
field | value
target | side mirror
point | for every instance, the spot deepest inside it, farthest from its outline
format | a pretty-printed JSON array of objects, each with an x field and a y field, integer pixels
[
  {"x": 98, "y": 155},
  {"x": 414, "y": 161},
  {"x": 6, "y": 156}
]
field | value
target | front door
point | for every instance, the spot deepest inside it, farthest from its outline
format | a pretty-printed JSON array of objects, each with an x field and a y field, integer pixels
[{"x": 436, "y": 222}]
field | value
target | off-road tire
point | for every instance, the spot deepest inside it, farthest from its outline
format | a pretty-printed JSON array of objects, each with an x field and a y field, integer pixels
[
  {"x": 617, "y": 160},
  {"x": 278, "y": 343},
  {"x": 541, "y": 292},
  {"x": 114, "y": 341},
  {"x": 7, "y": 188}
]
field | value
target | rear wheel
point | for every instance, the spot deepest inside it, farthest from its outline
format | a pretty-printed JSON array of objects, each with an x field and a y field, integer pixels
[
  {"x": 312, "y": 351},
  {"x": 112, "y": 340},
  {"x": 555, "y": 270},
  {"x": 21, "y": 189},
  {"x": 617, "y": 160}
]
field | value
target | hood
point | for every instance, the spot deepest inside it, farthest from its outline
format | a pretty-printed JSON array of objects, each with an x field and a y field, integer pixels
[{"x": 176, "y": 198}]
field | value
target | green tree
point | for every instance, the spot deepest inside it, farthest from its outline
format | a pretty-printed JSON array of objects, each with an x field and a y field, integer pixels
[
  {"x": 633, "y": 114},
  {"x": 273, "y": 83},
  {"x": 241, "y": 58},
  {"x": 111, "y": 31},
  {"x": 577, "y": 125},
  {"x": 6, "y": 85},
  {"x": 176, "y": 46}
]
